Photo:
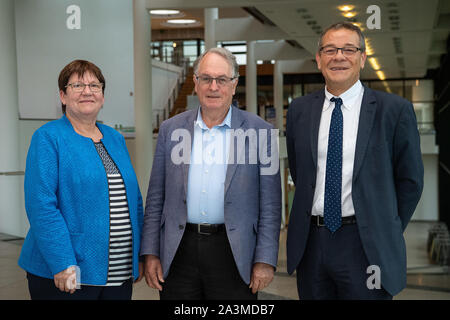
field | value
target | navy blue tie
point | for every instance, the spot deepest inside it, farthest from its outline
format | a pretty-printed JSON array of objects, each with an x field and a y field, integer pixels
[{"x": 333, "y": 178}]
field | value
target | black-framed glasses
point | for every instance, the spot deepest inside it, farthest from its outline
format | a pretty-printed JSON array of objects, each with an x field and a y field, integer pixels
[
  {"x": 79, "y": 86},
  {"x": 331, "y": 51},
  {"x": 220, "y": 81}
]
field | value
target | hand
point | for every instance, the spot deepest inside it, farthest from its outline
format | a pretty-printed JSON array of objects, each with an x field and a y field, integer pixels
[
  {"x": 66, "y": 280},
  {"x": 153, "y": 272},
  {"x": 262, "y": 276},
  {"x": 141, "y": 272}
]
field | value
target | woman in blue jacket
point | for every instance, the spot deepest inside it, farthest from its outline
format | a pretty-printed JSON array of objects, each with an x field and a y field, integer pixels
[{"x": 82, "y": 200}]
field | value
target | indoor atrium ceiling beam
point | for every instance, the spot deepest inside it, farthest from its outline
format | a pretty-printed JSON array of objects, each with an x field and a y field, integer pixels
[
  {"x": 246, "y": 29},
  {"x": 298, "y": 66},
  {"x": 279, "y": 50},
  {"x": 180, "y": 4}
]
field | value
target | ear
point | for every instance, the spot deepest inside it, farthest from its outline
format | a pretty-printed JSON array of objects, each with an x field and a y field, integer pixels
[
  {"x": 363, "y": 59},
  {"x": 195, "y": 83},
  {"x": 235, "y": 85},
  {"x": 62, "y": 97},
  {"x": 318, "y": 61}
]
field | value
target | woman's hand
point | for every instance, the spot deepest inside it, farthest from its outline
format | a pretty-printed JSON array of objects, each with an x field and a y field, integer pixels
[{"x": 66, "y": 280}]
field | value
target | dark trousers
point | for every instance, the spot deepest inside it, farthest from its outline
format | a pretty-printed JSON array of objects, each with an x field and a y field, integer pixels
[
  {"x": 334, "y": 266},
  {"x": 45, "y": 289},
  {"x": 204, "y": 269}
]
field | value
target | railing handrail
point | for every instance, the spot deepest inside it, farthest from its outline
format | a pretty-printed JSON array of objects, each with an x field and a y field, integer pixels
[{"x": 174, "y": 90}]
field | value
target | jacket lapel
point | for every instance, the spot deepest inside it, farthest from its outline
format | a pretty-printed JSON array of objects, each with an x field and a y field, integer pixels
[
  {"x": 366, "y": 117},
  {"x": 237, "y": 121},
  {"x": 316, "y": 113},
  {"x": 189, "y": 125}
]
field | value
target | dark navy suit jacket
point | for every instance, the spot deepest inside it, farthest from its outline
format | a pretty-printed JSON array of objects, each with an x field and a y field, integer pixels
[{"x": 387, "y": 178}]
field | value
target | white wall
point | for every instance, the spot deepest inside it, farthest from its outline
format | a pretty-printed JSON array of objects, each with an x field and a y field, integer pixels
[
  {"x": 11, "y": 219},
  {"x": 428, "y": 207},
  {"x": 45, "y": 45}
]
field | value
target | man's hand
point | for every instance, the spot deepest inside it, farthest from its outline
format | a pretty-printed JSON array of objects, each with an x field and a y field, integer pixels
[
  {"x": 153, "y": 272},
  {"x": 66, "y": 280},
  {"x": 262, "y": 275}
]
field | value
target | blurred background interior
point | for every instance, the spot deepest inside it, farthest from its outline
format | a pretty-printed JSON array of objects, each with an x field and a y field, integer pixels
[{"x": 146, "y": 50}]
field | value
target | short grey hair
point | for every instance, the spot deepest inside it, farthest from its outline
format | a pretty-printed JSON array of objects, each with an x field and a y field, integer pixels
[
  {"x": 224, "y": 53},
  {"x": 344, "y": 25}
]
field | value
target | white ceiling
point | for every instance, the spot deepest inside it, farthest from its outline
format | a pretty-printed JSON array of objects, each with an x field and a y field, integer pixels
[{"x": 411, "y": 40}]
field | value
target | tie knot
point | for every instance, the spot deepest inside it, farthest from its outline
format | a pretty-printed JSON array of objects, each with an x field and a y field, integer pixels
[{"x": 337, "y": 101}]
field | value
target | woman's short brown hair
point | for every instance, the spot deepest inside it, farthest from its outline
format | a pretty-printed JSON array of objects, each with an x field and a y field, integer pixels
[{"x": 79, "y": 67}]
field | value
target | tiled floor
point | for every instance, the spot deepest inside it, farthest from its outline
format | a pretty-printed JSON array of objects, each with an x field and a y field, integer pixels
[{"x": 425, "y": 281}]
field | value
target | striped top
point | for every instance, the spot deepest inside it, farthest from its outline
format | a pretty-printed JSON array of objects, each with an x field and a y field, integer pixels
[{"x": 120, "y": 236}]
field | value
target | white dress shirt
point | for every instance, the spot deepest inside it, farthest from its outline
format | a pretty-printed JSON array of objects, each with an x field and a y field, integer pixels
[
  {"x": 351, "y": 108},
  {"x": 207, "y": 171}
]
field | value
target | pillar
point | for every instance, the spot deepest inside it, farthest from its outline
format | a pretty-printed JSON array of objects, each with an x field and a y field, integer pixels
[
  {"x": 12, "y": 217},
  {"x": 211, "y": 15},
  {"x": 278, "y": 95},
  {"x": 251, "y": 98},
  {"x": 142, "y": 94}
]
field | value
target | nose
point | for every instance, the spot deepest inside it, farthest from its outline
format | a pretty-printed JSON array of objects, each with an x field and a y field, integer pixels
[
  {"x": 213, "y": 85},
  {"x": 86, "y": 87},
  {"x": 339, "y": 54}
]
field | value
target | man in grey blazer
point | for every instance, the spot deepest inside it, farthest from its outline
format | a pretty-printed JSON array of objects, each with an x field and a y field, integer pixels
[
  {"x": 354, "y": 156},
  {"x": 213, "y": 209}
]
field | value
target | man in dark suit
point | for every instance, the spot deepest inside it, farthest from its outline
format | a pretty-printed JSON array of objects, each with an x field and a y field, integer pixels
[
  {"x": 213, "y": 211},
  {"x": 354, "y": 156}
]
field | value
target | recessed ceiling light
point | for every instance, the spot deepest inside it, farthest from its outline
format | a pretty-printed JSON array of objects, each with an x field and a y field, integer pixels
[
  {"x": 359, "y": 25},
  {"x": 374, "y": 64},
  {"x": 349, "y": 14},
  {"x": 182, "y": 21},
  {"x": 381, "y": 75},
  {"x": 346, "y": 7},
  {"x": 164, "y": 12}
]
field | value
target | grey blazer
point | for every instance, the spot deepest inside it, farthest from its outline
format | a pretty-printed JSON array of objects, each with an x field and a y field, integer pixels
[
  {"x": 252, "y": 201},
  {"x": 387, "y": 178}
]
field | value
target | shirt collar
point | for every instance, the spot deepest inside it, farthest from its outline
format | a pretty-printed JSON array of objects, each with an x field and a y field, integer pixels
[
  {"x": 226, "y": 122},
  {"x": 348, "y": 97}
]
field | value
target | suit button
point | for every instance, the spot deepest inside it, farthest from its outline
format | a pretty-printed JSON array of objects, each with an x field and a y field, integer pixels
[
  {"x": 181, "y": 227},
  {"x": 184, "y": 200},
  {"x": 313, "y": 185}
]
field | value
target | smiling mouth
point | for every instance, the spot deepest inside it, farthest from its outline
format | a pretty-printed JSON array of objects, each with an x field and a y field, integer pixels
[{"x": 339, "y": 68}]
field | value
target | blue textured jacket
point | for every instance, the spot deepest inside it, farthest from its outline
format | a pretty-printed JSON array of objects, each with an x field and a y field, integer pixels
[{"x": 67, "y": 202}]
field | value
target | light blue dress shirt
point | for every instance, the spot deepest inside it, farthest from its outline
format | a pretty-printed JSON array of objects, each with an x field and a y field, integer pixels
[{"x": 207, "y": 171}]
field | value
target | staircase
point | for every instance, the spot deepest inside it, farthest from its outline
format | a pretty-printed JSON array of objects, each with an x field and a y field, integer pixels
[{"x": 186, "y": 90}]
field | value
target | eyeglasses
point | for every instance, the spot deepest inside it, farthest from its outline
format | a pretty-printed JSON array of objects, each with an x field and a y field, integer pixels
[
  {"x": 346, "y": 51},
  {"x": 79, "y": 87},
  {"x": 220, "y": 81}
]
